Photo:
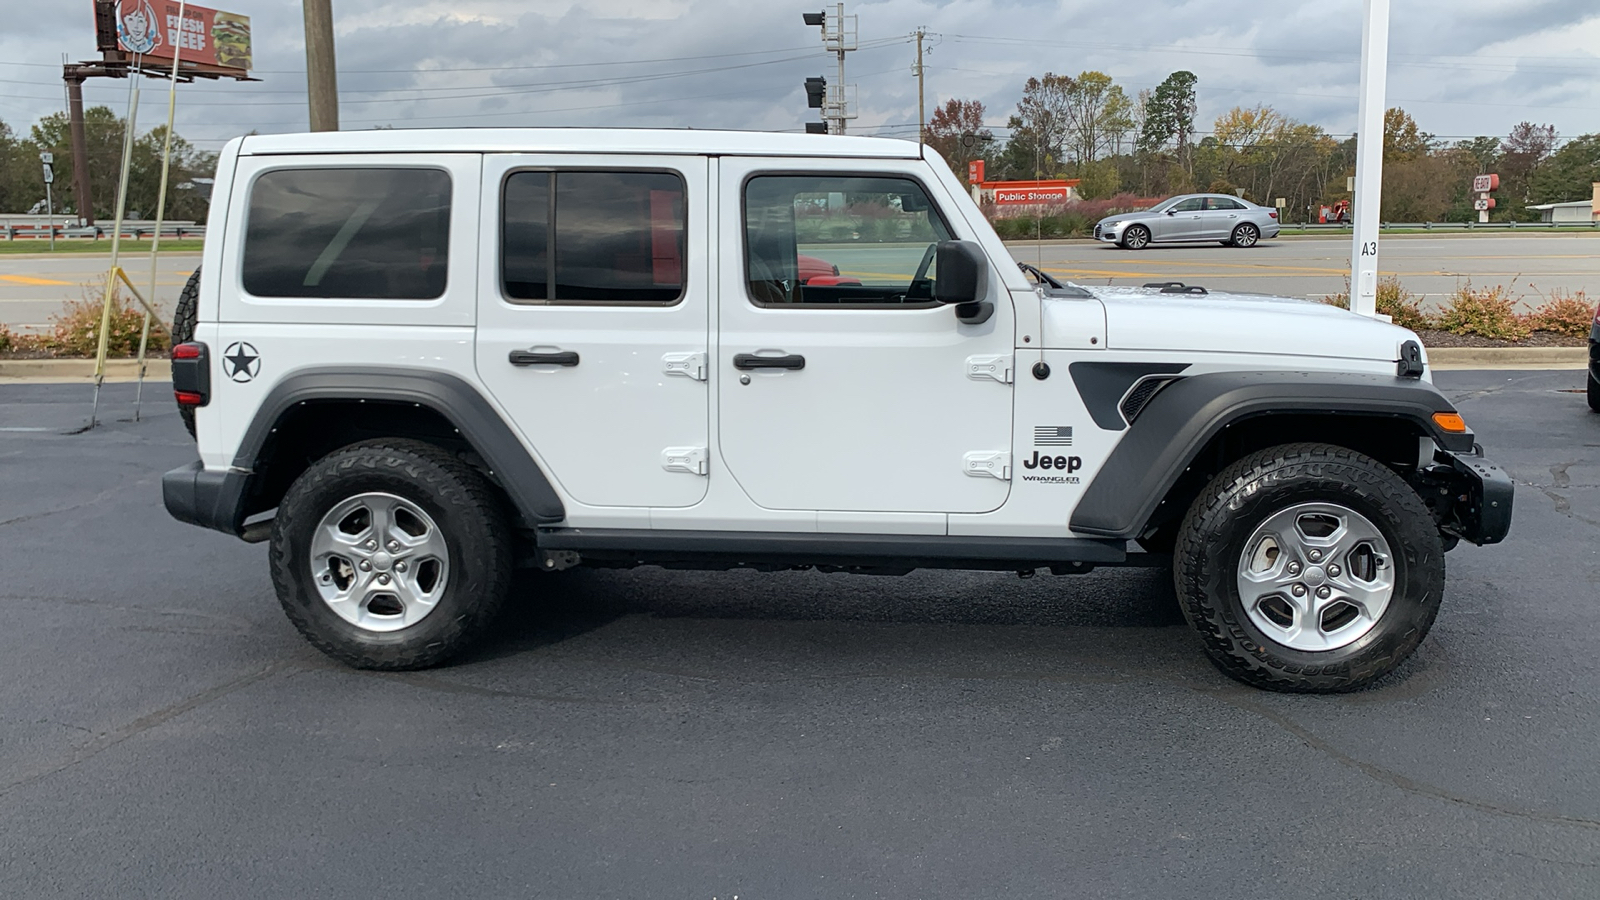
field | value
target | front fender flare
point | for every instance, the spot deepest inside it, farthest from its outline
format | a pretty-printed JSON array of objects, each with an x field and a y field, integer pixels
[{"x": 1178, "y": 422}]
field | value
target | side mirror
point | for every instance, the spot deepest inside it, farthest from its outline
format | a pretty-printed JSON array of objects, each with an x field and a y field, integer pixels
[
  {"x": 1172, "y": 212},
  {"x": 963, "y": 279}
]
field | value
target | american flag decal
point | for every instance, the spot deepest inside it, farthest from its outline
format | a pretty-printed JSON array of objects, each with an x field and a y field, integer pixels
[{"x": 1052, "y": 435}]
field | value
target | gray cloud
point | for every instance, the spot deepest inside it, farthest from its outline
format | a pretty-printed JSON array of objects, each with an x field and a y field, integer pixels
[{"x": 1462, "y": 68}]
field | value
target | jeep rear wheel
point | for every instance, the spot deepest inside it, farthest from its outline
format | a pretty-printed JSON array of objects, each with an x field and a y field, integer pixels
[
  {"x": 1309, "y": 568},
  {"x": 391, "y": 554}
]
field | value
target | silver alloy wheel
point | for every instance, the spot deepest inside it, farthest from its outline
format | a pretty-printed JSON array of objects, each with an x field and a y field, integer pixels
[
  {"x": 1316, "y": 576},
  {"x": 1136, "y": 237},
  {"x": 1246, "y": 236},
  {"x": 379, "y": 561}
]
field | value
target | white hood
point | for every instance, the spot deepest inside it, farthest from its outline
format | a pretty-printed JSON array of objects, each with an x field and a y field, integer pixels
[{"x": 1146, "y": 319}]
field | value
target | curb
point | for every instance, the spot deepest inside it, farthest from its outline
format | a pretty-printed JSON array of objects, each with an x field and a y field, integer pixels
[
  {"x": 79, "y": 371},
  {"x": 1448, "y": 358},
  {"x": 71, "y": 371}
]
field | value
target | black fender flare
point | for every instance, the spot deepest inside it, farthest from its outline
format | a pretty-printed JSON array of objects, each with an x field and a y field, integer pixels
[
  {"x": 1184, "y": 416},
  {"x": 217, "y": 499}
]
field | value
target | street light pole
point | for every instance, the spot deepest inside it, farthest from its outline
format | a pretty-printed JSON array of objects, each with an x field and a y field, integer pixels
[
  {"x": 322, "y": 80},
  {"x": 1369, "y": 159}
]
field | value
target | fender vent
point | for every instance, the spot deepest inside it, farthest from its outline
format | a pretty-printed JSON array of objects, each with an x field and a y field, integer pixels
[
  {"x": 1175, "y": 287},
  {"x": 1141, "y": 394}
]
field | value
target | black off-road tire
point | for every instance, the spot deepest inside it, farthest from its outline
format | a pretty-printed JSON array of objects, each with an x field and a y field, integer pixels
[
  {"x": 184, "y": 319},
  {"x": 1227, "y": 512},
  {"x": 471, "y": 514},
  {"x": 1594, "y": 393}
]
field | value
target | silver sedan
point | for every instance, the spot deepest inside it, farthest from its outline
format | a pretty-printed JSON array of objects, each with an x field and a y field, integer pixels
[{"x": 1191, "y": 217}]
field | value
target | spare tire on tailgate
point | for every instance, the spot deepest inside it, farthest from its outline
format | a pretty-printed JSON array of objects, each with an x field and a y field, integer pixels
[{"x": 184, "y": 319}]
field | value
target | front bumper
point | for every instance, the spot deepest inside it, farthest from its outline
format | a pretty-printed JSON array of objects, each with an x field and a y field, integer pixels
[
  {"x": 1482, "y": 509},
  {"x": 210, "y": 499},
  {"x": 1110, "y": 234}
]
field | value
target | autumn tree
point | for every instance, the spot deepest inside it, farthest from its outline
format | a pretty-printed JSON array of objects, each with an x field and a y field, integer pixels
[
  {"x": 956, "y": 132},
  {"x": 1521, "y": 152},
  {"x": 1402, "y": 139},
  {"x": 1099, "y": 116},
  {"x": 1568, "y": 173}
]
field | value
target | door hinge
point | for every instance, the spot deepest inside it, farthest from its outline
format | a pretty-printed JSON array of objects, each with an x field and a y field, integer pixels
[
  {"x": 688, "y": 365},
  {"x": 988, "y": 464},
  {"x": 684, "y": 459},
  {"x": 996, "y": 367}
]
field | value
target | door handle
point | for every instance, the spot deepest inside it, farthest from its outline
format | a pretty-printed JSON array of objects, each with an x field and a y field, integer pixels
[
  {"x": 558, "y": 358},
  {"x": 752, "y": 361}
]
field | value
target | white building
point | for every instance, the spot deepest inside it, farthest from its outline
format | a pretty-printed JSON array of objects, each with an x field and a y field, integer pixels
[{"x": 1573, "y": 212}]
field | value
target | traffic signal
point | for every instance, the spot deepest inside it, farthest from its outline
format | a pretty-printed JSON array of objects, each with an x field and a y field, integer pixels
[
  {"x": 816, "y": 128},
  {"x": 815, "y": 18},
  {"x": 816, "y": 89}
]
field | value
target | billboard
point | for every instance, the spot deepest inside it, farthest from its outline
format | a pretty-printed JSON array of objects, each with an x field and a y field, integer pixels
[{"x": 152, "y": 28}]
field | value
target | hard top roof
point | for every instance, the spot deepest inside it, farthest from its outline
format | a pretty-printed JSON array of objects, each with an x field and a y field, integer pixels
[{"x": 580, "y": 140}]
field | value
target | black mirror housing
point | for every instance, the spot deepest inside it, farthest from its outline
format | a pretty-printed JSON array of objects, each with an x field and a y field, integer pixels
[
  {"x": 963, "y": 280},
  {"x": 963, "y": 272}
]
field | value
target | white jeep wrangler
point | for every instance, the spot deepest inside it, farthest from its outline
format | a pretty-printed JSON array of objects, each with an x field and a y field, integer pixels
[{"x": 421, "y": 359}]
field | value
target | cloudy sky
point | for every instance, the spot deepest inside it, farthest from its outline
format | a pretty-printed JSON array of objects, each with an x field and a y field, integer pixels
[{"x": 1461, "y": 67}]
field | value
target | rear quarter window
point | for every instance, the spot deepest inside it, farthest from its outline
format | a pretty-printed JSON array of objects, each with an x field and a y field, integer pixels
[{"x": 356, "y": 233}]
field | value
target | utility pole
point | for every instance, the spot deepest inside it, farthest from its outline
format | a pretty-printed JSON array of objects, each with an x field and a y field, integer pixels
[
  {"x": 80, "y": 147},
  {"x": 1369, "y": 159},
  {"x": 839, "y": 34},
  {"x": 922, "y": 129},
  {"x": 322, "y": 80}
]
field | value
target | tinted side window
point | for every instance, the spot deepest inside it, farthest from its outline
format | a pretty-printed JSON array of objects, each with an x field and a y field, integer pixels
[
  {"x": 381, "y": 234},
  {"x": 816, "y": 239},
  {"x": 1220, "y": 203},
  {"x": 1192, "y": 204},
  {"x": 618, "y": 237}
]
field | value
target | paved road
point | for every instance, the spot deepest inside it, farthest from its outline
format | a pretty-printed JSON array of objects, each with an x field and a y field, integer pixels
[
  {"x": 1316, "y": 267},
  {"x": 164, "y": 732},
  {"x": 33, "y": 289}
]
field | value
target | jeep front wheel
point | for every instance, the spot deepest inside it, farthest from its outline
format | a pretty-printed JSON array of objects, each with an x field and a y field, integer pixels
[
  {"x": 391, "y": 554},
  {"x": 1309, "y": 568}
]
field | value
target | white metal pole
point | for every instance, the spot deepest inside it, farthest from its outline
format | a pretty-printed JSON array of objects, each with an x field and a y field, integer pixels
[
  {"x": 1369, "y": 159},
  {"x": 161, "y": 209}
]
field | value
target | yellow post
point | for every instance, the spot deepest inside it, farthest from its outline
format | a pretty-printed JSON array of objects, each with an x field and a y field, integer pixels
[{"x": 116, "y": 238}]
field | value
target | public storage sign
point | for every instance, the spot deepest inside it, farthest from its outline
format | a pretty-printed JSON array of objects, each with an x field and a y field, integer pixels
[
  {"x": 203, "y": 36},
  {"x": 1029, "y": 195}
]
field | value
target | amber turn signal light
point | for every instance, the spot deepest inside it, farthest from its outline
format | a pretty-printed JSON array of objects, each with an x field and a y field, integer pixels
[{"x": 1450, "y": 422}]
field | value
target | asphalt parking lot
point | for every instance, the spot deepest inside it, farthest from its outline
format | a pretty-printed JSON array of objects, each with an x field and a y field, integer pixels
[{"x": 164, "y": 732}]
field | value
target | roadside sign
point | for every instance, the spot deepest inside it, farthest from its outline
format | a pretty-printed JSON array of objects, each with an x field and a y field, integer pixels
[
  {"x": 975, "y": 172},
  {"x": 47, "y": 158},
  {"x": 151, "y": 28},
  {"x": 49, "y": 174},
  {"x": 1483, "y": 204},
  {"x": 1350, "y": 183},
  {"x": 1282, "y": 203},
  {"x": 1483, "y": 184}
]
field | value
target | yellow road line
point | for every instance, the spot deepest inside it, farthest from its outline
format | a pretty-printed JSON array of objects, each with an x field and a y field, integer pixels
[{"x": 30, "y": 280}]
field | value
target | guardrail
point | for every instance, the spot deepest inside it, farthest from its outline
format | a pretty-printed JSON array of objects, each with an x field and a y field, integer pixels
[
  {"x": 97, "y": 232},
  {"x": 1452, "y": 226}
]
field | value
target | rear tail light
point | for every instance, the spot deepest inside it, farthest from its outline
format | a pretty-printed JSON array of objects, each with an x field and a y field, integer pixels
[
  {"x": 191, "y": 374},
  {"x": 1273, "y": 213}
]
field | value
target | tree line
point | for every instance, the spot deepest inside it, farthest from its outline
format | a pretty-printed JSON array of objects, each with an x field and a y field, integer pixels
[
  {"x": 22, "y": 187},
  {"x": 1088, "y": 127}
]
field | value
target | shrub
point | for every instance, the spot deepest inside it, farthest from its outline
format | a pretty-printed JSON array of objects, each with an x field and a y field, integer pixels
[
  {"x": 76, "y": 331},
  {"x": 16, "y": 342},
  {"x": 1400, "y": 305},
  {"x": 1488, "y": 312},
  {"x": 1565, "y": 312}
]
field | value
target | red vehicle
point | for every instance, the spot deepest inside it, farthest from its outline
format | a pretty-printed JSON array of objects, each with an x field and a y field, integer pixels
[{"x": 820, "y": 272}]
